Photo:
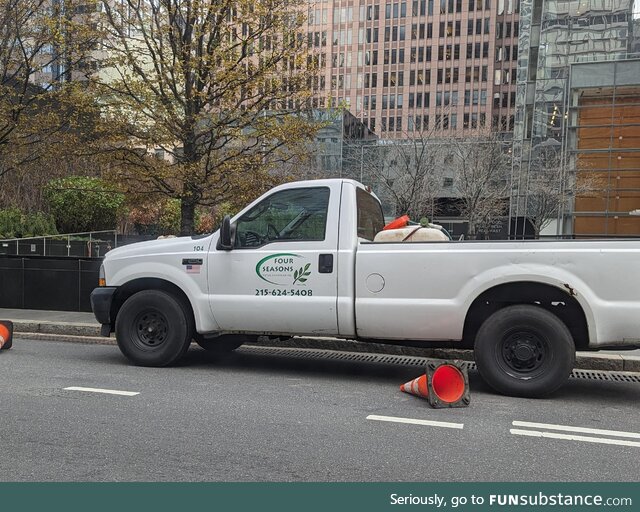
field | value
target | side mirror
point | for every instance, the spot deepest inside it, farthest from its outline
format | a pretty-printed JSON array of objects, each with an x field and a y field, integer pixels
[{"x": 227, "y": 234}]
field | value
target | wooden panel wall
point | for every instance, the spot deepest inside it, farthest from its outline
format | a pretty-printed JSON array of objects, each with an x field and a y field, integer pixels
[{"x": 610, "y": 128}]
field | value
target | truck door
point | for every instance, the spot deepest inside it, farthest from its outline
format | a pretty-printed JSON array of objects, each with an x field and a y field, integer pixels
[{"x": 280, "y": 276}]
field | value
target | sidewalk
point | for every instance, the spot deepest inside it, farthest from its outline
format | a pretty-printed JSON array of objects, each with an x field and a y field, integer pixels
[{"x": 78, "y": 327}]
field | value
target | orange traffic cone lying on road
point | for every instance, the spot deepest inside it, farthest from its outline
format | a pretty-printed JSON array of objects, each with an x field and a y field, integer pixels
[
  {"x": 6, "y": 334},
  {"x": 445, "y": 384},
  {"x": 417, "y": 386}
]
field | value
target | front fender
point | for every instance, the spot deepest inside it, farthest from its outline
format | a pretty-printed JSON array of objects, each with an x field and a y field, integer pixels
[{"x": 194, "y": 286}]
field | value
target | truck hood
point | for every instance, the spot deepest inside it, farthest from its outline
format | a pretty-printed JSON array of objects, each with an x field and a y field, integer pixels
[{"x": 164, "y": 246}]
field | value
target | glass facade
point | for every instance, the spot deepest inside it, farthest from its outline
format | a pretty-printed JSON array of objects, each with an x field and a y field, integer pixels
[
  {"x": 555, "y": 37},
  {"x": 330, "y": 154}
]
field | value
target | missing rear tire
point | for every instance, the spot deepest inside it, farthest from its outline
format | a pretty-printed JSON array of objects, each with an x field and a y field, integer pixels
[{"x": 223, "y": 344}]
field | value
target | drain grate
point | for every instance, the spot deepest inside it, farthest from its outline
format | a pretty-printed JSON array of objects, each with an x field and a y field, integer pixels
[
  {"x": 365, "y": 357},
  {"x": 608, "y": 376},
  {"x": 334, "y": 355}
]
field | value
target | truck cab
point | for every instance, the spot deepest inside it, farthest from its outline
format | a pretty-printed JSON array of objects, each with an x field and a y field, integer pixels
[{"x": 290, "y": 257}]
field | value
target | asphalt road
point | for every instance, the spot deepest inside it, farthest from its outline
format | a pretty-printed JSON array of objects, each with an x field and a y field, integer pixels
[{"x": 256, "y": 417}]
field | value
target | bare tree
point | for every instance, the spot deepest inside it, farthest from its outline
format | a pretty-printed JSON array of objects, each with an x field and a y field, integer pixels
[
  {"x": 481, "y": 170},
  {"x": 553, "y": 183},
  {"x": 218, "y": 87},
  {"x": 44, "y": 115},
  {"x": 408, "y": 173},
  {"x": 23, "y": 36}
]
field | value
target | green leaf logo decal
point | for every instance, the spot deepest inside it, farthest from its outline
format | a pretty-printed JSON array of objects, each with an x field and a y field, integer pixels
[
  {"x": 283, "y": 268},
  {"x": 300, "y": 276}
]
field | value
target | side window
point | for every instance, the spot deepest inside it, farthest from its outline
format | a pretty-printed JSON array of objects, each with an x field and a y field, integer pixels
[
  {"x": 370, "y": 217},
  {"x": 298, "y": 214}
]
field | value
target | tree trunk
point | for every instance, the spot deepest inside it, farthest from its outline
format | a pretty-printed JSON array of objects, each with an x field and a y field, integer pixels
[
  {"x": 536, "y": 231},
  {"x": 187, "y": 216},
  {"x": 189, "y": 188},
  {"x": 471, "y": 228}
]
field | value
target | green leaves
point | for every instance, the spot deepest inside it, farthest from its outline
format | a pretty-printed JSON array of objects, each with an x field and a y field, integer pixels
[
  {"x": 81, "y": 203},
  {"x": 17, "y": 224},
  {"x": 300, "y": 276}
]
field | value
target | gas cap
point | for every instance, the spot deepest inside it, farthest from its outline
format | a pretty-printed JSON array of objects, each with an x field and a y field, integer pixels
[{"x": 375, "y": 283}]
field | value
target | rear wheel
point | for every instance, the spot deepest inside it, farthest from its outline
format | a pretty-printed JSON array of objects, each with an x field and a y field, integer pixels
[
  {"x": 524, "y": 350},
  {"x": 223, "y": 344},
  {"x": 153, "y": 328}
]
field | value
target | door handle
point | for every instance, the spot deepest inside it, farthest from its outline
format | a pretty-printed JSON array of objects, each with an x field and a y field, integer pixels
[{"x": 325, "y": 264}]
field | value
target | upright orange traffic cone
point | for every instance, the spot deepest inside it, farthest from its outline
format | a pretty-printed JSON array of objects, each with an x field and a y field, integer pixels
[
  {"x": 6, "y": 334},
  {"x": 445, "y": 384}
]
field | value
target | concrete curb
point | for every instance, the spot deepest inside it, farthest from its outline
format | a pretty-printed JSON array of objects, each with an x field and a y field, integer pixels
[
  {"x": 90, "y": 334},
  {"x": 60, "y": 328}
]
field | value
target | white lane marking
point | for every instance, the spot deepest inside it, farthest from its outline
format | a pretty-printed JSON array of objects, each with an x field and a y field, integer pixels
[
  {"x": 106, "y": 391},
  {"x": 584, "y": 439},
  {"x": 430, "y": 423},
  {"x": 581, "y": 430}
]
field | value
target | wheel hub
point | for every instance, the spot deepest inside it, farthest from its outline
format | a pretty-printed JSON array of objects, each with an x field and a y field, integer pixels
[
  {"x": 524, "y": 351},
  {"x": 151, "y": 328}
]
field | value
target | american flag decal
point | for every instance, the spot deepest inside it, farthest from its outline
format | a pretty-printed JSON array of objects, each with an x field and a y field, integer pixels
[{"x": 192, "y": 265}]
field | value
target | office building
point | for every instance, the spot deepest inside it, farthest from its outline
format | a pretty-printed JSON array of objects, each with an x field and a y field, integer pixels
[
  {"x": 406, "y": 68},
  {"x": 578, "y": 95}
]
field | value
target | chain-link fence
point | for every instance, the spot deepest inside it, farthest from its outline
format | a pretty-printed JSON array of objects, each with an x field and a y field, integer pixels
[{"x": 93, "y": 244}]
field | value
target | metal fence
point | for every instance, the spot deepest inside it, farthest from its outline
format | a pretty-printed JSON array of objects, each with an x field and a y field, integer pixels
[
  {"x": 93, "y": 244},
  {"x": 50, "y": 283}
]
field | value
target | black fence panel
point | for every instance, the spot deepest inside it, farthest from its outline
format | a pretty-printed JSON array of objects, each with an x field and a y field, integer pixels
[
  {"x": 48, "y": 283},
  {"x": 11, "y": 283},
  {"x": 88, "y": 273}
]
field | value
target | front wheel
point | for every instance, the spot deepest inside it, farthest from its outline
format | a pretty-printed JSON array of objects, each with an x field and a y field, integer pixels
[
  {"x": 524, "y": 350},
  {"x": 153, "y": 328}
]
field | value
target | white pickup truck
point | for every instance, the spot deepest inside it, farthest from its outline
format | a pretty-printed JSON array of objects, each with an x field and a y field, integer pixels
[{"x": 301, "y": 260}]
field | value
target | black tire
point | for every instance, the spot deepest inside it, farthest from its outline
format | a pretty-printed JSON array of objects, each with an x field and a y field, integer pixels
[
  {"x": 154, "y": 328},
  {"x": 222, "y": 344},
  {"x": 524, "y": 350}
]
